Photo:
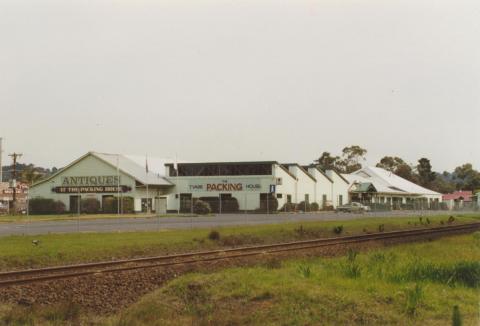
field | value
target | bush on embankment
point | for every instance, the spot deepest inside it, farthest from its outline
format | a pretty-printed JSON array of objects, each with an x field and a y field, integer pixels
[{"x": 43, "y": 206}]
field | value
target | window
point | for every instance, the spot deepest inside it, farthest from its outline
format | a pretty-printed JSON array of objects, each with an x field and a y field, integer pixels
[
  {"x": 279, "y": 181},
  {"x": 215, "y": 169},
  {"x": 146, "y": 204},
  {"x": 307, "y": 198},
  {"x": 279, "y": 195},
  {"x": 340, "y": 200},
  {"x": 289, "y": 199}
]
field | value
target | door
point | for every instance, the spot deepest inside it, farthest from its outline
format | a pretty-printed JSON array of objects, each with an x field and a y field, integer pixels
[
  {"x": 185, "y": 203},
  {"x": 161, "y": 205},
  {"x": 74, "y": 203}
]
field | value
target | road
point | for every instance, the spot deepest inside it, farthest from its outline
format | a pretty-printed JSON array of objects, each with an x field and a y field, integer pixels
[{"x": 153, "y": 224}]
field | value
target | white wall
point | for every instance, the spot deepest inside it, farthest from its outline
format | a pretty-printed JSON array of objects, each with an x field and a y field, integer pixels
[
  {"x": 323, "y": 187},
  {"x": 305, "y": 185},
  {"x": 340, "y": 188},
  {"x": 88, "y": 166},
  {"x": 288, "y": 186},
  {"x": 247, "y": 199}
]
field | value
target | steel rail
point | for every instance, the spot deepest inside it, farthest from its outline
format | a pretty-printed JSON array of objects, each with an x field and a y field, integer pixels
[
  {"x": 206, "y": 256},
  {"x": 190, "y": 254}
]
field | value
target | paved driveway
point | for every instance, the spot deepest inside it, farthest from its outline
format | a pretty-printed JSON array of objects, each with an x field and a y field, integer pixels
[{"x": 152, "y": 224}]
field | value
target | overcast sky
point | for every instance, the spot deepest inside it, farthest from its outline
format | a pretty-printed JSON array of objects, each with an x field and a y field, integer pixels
[{"x": 241, "y": 80}]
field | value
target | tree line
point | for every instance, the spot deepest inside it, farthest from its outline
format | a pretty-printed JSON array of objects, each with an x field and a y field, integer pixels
[
  {"x": 463, "y": 177},
  {"x": 27, "y": 173}
]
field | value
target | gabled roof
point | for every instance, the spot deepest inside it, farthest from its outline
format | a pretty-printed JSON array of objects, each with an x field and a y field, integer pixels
[
  {"x": 365, "y": 187},
  {"x": 313, "y": 166},
  {"x": 462, "y": 195},
  {"x": 300, "y": 168},
  {"x": 125, "y": 164},
  {"x": 340, "y": 175},
  {"x": 387, "y": 182}
]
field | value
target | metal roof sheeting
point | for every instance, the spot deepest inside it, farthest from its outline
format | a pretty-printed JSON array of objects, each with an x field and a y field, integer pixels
[
  {"x": 135, "y": 167},
  {"x": 387, "y": 182}
]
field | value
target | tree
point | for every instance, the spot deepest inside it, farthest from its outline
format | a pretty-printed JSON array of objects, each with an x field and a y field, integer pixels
[
  {"x": 442, "y": 184},
  {"x": 425, "y": 173},
  {"x": 466, "y": 178},
  {"x": 326, "y": 161},
  {"x": 351, "y": 158},
  {"x": 30, "y": 175},
  {"x": 398, "y": 166},
  {"x": 405, "y": 171},
  {"x": 390, "y": 163}
]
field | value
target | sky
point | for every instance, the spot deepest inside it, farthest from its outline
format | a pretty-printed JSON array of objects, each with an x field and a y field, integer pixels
[{"x": 241, "y": 80}]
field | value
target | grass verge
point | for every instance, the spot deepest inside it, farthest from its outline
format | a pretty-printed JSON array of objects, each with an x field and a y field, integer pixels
[
  {"x": 57, "y": 249},
  {"x": 386, "y": 289}
]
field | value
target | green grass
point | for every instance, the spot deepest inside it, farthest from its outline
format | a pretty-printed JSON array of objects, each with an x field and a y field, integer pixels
[
  {"x": 58, "y": 249},
  {"x": 67, "y": 217},
  {"x": 321, "y": 291}
]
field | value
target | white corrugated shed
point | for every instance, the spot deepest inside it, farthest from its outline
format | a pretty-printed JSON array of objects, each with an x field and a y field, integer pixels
[{"x": 387, "y": 182}]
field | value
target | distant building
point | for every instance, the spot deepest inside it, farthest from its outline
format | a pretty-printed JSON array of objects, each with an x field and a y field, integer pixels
[
  {"x": 458, "y": 199},
  {"x": 373, "y": 185},
  {"x": 6, "y": 195},
  {"x": 248, "y": 186}
]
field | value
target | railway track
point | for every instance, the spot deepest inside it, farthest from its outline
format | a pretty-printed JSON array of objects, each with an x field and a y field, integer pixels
[{"x": 69, "y": 271}]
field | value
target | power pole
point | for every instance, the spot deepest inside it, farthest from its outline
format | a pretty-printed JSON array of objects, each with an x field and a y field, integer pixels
[
  {"x": 1, "y": 167},
  {"x": 14, "y": 179}
]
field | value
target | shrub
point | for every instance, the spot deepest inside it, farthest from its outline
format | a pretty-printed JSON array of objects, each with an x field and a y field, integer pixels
[
  {"x": 303, "y": 206},
  {"x": 90, "y": 206},
  {"x": 314, "y": 207},
  {"x": 328, "y": 208},
  {"x": 270, "y": 204},
  {"x": 451, "y": 219},
  {"x": 381, "y": 228},
  {"x": 230, "y": 205},
  {"x": 45, "y": 206},
  {"x": 110, "y": 205},
  {"x": 201, "y": 208},
  {"x": 338, "y": 229},
  {"x": 288, "y": 207},
  {"x": 214, "y": 235}
]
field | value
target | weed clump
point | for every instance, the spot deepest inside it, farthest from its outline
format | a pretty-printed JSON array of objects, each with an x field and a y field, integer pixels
[
  {"x": 351, "y": 267},
  {"x": 338, "y": 229},
  {"x": 466, "y": 273},
  {"x": 413, "y": 299},
  {"x": 304, "y": 270},
  {"x": 451, "y": 219},
  {"x": 273, "y": 263},
  {"x": 381, "y": 228},
  {"x": 214, "y": 235}
]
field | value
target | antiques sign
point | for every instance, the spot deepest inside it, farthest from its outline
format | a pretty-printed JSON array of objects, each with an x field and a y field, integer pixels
[
  {"x": 99, "y": 180},
  {"x": 91, "y": 189}
]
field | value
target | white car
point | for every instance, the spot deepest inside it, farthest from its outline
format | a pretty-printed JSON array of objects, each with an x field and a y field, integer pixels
[{"x": 353, "y": 208}]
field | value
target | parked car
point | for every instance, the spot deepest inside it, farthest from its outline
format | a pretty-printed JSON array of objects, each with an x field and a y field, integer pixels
[{"x": 353, "y": 208}]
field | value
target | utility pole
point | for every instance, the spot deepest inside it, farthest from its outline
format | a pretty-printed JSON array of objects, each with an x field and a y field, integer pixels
[
  {"x": 14, "y": 179},
  {"x": 1, "y": 151}
]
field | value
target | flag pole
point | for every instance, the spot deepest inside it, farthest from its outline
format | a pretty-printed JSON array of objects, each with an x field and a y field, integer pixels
[
  {"x": 176, "y": 186},
  {"x": 146, "y": 177},
  {"x": 118, "y": 187}
]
